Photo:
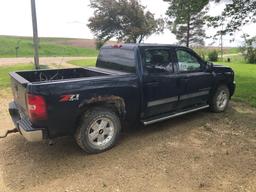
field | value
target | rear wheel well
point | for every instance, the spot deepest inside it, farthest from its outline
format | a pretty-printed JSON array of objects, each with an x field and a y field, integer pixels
[
  {"x": 113, "y": 103},
  {"x": 111, "y": 106}
]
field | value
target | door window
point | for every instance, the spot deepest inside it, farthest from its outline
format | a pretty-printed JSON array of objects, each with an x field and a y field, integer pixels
[
  {"x": 187, "y": 62},
  {"x": 158, "y": 61}
]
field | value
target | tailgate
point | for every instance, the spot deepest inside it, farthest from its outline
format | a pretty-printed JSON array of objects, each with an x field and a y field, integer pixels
[{"x": 18, "y": 85}]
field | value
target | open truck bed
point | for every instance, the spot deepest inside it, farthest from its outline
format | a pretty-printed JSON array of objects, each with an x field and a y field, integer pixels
[
  {"x": 43, "y": 76},
  {"x": 48, "y": 84},
  {"x": 22, "y": 81}
]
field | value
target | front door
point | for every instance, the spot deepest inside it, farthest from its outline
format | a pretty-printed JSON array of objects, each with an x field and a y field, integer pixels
[
  {"x": 160, "y": 86},
  {"x": 194, "y": 80}
]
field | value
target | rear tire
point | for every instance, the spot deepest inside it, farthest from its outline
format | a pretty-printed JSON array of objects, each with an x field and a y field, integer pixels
[
  {"x": 220, "y": 99},
  {"x": 99, "y": 130}
]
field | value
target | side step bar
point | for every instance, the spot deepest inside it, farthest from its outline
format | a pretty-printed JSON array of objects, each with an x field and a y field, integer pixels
[{"x": 148, "y": 122}]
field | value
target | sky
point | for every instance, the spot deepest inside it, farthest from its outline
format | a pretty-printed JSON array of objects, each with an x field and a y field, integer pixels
[{"x": 68, "y": 18}]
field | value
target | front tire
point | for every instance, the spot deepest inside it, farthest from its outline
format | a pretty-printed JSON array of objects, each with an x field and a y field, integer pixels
[
  {"x": 99, "y": 130},
  {"x": 220, "y": 99}
]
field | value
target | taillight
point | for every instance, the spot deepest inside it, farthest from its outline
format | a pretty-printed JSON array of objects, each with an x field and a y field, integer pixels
[
  {"x": 37, "y": 109},
  {"x": 117, "y": 46}
]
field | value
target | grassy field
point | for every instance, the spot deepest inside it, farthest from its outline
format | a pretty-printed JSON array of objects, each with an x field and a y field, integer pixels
[
  {"x": 245, "y": 75},
  {"x": 4, "y": 73},
  {"x": 48, "y": 47},
  {"x": 84, "y": 62}
]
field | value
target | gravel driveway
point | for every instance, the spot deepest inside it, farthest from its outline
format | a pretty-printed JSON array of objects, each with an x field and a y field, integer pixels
[{"x": 197, "y": 152}]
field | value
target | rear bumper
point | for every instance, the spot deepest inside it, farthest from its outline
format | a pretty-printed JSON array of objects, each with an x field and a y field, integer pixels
[{"x": 24, "y": 126}]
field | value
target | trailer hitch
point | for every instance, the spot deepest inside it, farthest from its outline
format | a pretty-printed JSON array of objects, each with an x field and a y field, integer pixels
[{"x": 15, "y": 130}]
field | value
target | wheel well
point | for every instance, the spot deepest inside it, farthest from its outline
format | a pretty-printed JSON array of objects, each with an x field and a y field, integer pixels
[
  {"x": 219, "y": 84},
  {"x": 116, "y": 104}
]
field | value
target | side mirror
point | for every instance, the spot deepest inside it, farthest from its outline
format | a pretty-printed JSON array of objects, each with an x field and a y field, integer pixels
[{"x": 209, "y": 66}]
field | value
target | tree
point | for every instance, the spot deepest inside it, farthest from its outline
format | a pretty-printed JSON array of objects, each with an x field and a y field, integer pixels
[
  {"x": 125, "y": 20},
  {"x": 236, "y": 13},
  {"x": 213, "y": 56},
  {"x": 249, "y": 49},
  {"x": 187, "y": 20}
]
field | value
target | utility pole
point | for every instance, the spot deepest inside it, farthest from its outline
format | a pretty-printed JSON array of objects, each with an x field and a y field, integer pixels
[
  {"x": 35, "y": 34},
  {"x": 221, "y": 44},
  {"x": 222, "y": 33}
]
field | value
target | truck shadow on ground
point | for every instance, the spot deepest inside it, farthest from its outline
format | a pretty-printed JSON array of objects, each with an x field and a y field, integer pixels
[{"x": 27, "y": 165}]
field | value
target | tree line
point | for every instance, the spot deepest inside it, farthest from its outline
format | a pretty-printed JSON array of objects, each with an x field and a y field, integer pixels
[{"x": 127, "y": 20}]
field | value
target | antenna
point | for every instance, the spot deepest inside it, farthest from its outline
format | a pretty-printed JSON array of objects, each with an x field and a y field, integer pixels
[{"x": 35, "y": 34}]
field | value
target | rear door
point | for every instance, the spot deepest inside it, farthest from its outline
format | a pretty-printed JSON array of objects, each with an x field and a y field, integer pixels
[
  {"x": 195, "y": 81},
  {"x": 160, "y": 90}
]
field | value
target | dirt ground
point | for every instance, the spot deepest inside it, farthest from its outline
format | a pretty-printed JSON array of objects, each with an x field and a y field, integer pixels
[{"x": 197, "y": 152}]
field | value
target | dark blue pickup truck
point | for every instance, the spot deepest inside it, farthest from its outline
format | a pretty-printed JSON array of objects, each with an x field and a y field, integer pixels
[{"x": 131, "y": 83}]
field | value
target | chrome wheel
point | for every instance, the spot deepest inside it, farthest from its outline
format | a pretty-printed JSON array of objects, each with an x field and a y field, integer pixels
[
  {"x": 222, "y": 100},
  {"x": 101, "y": 132}
]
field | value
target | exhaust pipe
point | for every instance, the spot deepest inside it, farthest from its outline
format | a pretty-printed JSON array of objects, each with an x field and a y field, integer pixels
[{"x": 15, "y": 130}]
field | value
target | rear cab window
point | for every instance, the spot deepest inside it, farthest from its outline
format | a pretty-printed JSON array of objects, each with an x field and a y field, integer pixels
[{"x": 117, "y": 58}]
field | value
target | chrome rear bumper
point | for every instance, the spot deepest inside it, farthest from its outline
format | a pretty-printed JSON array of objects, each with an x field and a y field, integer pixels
[
  {"x": 24, "y": 126},
  {"x": 31, "y": 135}
]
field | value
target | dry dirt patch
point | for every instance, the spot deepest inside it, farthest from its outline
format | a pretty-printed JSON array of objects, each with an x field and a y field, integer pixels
[{"x": 196, "y": 152}]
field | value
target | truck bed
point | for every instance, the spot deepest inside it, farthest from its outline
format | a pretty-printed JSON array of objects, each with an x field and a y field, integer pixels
[
  {"x": 22, "y": 79},
  {"x": 57, "y": 74}
]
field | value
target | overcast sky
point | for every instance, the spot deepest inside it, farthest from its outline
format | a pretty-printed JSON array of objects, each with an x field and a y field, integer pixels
[{"x": 68, "y": 18}]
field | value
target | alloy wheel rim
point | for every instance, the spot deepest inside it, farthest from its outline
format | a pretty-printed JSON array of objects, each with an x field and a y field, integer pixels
[
  {"x": 101, "y": 132},
  {"x": 222, "y": 100}
]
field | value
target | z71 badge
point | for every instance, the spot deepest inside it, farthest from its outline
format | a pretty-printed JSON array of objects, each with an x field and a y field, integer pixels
[{"x": 69, "y": 98}]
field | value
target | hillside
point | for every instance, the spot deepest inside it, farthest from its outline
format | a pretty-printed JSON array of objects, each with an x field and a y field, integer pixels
[
  {"x": 51, "y": 47},
  {"x": 48, "y": 47}
]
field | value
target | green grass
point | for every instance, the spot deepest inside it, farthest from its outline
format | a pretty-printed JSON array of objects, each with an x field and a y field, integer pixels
[
  {"x": 245, "y": 76},
  {"x": 84, "y": 62},
  {"x": 239, "y": 59},
  {"x": 48, "y": 48},
  {"x": 4, "y": 73}
]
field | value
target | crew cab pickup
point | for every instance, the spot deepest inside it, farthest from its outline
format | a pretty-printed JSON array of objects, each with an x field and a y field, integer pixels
[{"x": 131, "y": 83}]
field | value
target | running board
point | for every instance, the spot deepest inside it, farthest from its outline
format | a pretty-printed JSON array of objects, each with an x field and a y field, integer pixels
[{"x": 148, "y": 122}]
